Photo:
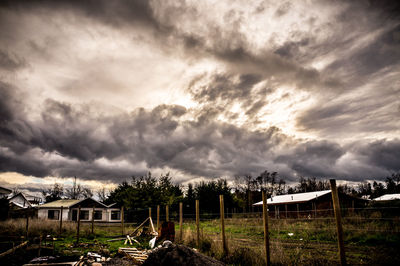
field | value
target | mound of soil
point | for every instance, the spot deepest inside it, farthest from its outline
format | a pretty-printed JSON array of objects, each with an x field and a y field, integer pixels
[{"x": 179, "y": 255}]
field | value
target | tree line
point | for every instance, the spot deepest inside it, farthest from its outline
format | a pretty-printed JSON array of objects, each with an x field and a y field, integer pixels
[{"x": 240, "y": 194}]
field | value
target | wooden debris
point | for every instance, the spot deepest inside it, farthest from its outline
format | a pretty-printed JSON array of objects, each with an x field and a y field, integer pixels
[
  {"x": 128, "y": 238},
  {"x": 137, "y": 231},
  {"x": 138, "y": 256},
  {"x": 116, "y": 239},
  {"x": 13, "y": 249}
]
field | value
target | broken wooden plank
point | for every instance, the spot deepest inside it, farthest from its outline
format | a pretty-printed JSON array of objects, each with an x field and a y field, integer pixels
[
  {"x": 137, "y": 228},
  {"x": 152, "y": 227},
  {"x": 13, "y": 249},
  {"x": 116, "y": 239}
]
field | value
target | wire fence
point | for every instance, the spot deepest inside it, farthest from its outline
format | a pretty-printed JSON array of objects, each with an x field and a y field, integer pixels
[
  {"x": 311, "y": 231},
  {"x": 295, "y": 235}
]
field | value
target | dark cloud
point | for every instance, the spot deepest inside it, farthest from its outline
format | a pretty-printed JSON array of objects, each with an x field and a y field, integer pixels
[
  {"x": 382, "y": 153},
  {"x": 283, "y": 9},
  {"x": 10, "y": 62},
  {"x": 115, "y": 13},
  {"x": 353, "y": 85},
  {"x": 290, "y": 49},
  {"x": 314, "y": 158},
  {"x": 382, "y": 53},
  {"x": 370, "y": 112},
  {"x": 72, "y": 140},
  {"x": 222, "y": 87}
]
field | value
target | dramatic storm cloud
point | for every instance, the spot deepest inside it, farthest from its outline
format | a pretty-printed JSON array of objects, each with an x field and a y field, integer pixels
[{"x": 104, "y": 90}]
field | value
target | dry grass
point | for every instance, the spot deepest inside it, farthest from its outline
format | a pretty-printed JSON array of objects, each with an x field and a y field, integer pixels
[
  {"x": 303, "y": 241},
  {"x": 313, "y": 241},
  {"x": 17, "y": 227}
]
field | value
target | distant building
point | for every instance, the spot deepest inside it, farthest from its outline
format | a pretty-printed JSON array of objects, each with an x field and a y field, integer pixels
[
  {"x": 19, "y": 201},
  {"x": 309, "y": 204},
  {"x": 102, "y": 212},
  {"x": 22, "y": 200},
  {"x": 388, "y": 197},
  {"x": 33, "y": 200},
  {"x": 4, "y": 192}
]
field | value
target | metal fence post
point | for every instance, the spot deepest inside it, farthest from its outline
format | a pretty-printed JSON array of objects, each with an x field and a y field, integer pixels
[{"x": 266, "y": 233}]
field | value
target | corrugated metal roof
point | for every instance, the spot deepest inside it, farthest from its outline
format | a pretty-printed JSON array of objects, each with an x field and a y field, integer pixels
[
  {"x": 293, "y": 198},
  {"x": 58, "y": 203},
  {"x": 388, "y": 197}
]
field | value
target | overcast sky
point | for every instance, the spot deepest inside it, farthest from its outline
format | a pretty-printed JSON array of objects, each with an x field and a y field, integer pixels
[{"x": 104, "y": 90}]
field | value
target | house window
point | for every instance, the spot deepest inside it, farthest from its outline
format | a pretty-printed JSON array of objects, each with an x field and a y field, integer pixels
[
  {"x": 98, "y": 215},
  {"x": 53, "y": 214},
  {"x": 84, "y": 215},
  {"x": 115, "y": 215}
]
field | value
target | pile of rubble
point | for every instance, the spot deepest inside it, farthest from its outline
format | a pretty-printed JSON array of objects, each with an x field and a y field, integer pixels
[{"x": 170, "y": 254}]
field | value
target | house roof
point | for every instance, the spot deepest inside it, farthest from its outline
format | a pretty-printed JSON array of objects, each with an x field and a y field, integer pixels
[
  {"x": 89, "y": 202},
  {"x": 19, "y": 205},
  {"x": 4, "y": 190},
  {"x": 20, "y": 194},
  {"x": 294, "y": 198},
  {"x": 70, "y": 203},
  {"x": 66, "y": 203},
  {"x": 388, "y": 197}
]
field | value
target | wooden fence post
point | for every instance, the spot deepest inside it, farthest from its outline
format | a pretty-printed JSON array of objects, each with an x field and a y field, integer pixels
[
  {"x": 180, "y": 220},
  {"x": 167, "y": 213},
  {"x": 221, "y": 207},
  {"x": 27, "y": 225},
  {"x": 336, "y": 208},
  {"x": 266, "y": 233},
  {"x": 78, "y": 225},
  {"x": 197, "y": 223},
  {"x": 122, "y": 221},
  {"x": 40, "y": 245},
  {"x": 93, "y": 220},
  {"x": 61, "y": 215},
  {"x": 150, "y": 212},
  {"x": 158, "y": 216},
  {"x": 286, "y": 210},
  {"x": 315, "y": 208}
]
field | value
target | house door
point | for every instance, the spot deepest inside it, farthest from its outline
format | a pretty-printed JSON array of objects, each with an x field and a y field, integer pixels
[{"x": 74, "y": 215}]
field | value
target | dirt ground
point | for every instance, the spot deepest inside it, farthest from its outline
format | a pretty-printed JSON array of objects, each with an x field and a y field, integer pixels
[{"x": 179, "y": 255}]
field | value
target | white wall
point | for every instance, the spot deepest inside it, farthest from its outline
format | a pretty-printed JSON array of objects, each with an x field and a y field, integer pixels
[
  {"x": 109, "y": 215},
  {"x": 67, "y": 214},
  {"x": 105, "y": 216},
  {"x": 43, "y": 213}
]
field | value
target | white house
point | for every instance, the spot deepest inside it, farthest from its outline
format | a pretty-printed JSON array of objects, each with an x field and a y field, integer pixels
[
  {"x": 388, "y": 197},
  {"x": 102, "y": 212}
]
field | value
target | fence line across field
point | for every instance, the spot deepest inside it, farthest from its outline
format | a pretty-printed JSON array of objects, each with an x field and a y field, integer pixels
[{"x": 265, "y": 220}]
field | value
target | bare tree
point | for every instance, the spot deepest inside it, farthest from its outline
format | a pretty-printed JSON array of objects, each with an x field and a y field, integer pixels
[
  {"x": 77, "y": 191},
  {"x": 54, "y": 193},
  {"x": 102, "y": 194},
  {"x": 87, "y": 193}
]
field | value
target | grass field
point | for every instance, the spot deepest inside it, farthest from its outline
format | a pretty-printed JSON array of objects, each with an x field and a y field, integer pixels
[
  {"x": 306, "y": 241},
  {"x": 293, "y": 241}
]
